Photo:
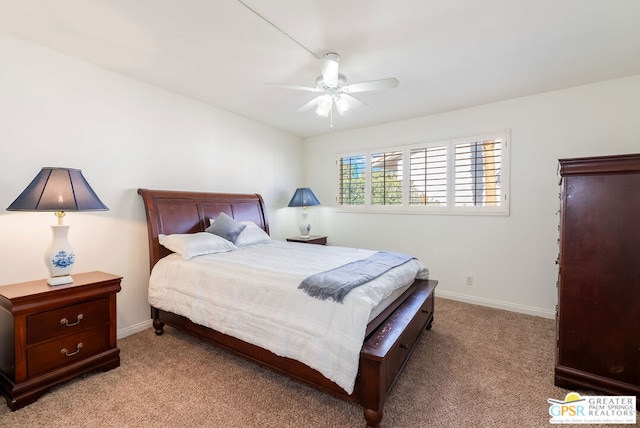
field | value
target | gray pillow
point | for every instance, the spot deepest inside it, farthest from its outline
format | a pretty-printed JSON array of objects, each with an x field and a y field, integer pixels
[{"x": 226, "y": 227}]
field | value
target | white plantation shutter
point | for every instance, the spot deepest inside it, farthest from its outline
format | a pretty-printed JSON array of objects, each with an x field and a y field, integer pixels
[
  {"x": 351, "y": 175},
  {"x": 477, "y": 173},
  {"x": 386, "y": 178},
  {"x": 428, "y": 176}
]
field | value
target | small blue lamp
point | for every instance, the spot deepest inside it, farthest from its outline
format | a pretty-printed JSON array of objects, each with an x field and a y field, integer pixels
[
  {"x": 304, "y": 197},
  {"x": 58, "y": 190}
]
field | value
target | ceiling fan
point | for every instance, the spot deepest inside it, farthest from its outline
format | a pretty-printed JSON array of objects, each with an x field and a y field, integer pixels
[{"x": 335, "y": 90}]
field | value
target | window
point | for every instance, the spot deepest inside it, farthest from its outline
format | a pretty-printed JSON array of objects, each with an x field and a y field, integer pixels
[
  {"x": 428, "y": 176},
  {"x": 352, "y": 170},
  {"x": 386, "y": 178},
  {"x": 464, "y": 175},
  {"x": 477, "y": 177}
]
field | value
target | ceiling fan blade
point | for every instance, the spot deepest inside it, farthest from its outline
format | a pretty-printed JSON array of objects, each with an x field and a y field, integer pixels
[
  {"x": 311, "y": 104},
  {"x": 330, "y": 65},
  {"x": 353, "y": 102},
  {"x": 297, "y": 88},
  {"x": 372, "y": 85}
]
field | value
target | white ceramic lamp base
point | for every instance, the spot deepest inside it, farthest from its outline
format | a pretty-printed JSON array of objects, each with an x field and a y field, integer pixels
[
  {"x": 304, "y": 225},
  {"x": 59, "y": 257}
]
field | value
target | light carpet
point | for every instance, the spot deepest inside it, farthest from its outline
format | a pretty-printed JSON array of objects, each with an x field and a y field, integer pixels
[{"x": 477, "y": 367}]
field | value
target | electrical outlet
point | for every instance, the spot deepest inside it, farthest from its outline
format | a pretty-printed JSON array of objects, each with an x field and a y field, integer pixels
[{"x": 469, "y": 280}]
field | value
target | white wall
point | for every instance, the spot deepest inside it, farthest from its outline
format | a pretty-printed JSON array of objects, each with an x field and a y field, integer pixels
[
  {"x": 123, "y": 134},
  {"x": 512, "y": 259}
]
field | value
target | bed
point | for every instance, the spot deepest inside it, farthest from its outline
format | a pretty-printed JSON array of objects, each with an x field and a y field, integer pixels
[{"x": 390, "y": 335}]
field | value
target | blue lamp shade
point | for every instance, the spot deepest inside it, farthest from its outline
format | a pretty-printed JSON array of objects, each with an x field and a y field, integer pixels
[
  {"x": 303, "y": 197},
  {"x": 58, "y": 190}
]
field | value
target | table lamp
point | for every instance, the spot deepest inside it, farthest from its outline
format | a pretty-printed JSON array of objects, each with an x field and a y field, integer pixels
[
  {"x": 58, "y": 190},
  {"x": 304, "y": 197}
]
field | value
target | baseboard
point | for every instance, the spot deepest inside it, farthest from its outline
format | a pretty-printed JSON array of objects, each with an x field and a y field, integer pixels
[
  {"x": 529, "y": 310},
  {"x": 134, "y": 329}
]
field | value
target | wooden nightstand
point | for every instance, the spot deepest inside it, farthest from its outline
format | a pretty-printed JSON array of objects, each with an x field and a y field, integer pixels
[
  {"x": 313, "y": 239},
  {"x": 49, "y": 335}
]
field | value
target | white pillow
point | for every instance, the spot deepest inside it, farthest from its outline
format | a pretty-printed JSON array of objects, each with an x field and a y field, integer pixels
[
  {"x": 189, "y": 245},
  {"x": 252, "y": 234}
]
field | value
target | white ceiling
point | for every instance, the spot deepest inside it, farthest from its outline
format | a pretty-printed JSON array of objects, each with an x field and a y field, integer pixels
[{"x": 447, "y": 54}]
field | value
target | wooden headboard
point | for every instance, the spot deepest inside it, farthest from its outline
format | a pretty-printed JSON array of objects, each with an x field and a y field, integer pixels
[{"x": 170, "y": 211}]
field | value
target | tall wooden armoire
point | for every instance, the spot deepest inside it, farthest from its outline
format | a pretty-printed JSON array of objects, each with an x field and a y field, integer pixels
[{"x": 598, "y": 313}]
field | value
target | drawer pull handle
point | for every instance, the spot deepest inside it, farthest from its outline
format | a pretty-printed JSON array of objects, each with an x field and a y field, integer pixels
[
  {"x": 425, "y": 311},
  {"x": 65, "y": 321},
  {"x": 404, "y": 346},
  {"x": 66, "y": 352}
]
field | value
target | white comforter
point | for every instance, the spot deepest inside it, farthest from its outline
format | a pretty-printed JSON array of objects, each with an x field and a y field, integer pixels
[{"x": 251, "y": 293}]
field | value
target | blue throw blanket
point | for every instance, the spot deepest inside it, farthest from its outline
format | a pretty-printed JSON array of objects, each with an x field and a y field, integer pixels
[{"x": 336, "y": 283}]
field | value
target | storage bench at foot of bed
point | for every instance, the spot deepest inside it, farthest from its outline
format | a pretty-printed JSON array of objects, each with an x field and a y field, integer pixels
[{"x": 387, "y": 350}]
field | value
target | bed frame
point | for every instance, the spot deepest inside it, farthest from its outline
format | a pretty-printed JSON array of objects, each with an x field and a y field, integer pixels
[{"x": 390, "y": 337}]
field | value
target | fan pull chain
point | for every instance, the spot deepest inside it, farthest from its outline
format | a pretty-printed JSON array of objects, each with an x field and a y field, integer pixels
[{"x": 331, "y": 116}]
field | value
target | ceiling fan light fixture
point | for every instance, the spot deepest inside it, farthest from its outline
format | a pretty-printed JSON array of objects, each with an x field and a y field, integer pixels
[
  {"x": 324, "y": 105},
  {"x": 342, "y": 105}
]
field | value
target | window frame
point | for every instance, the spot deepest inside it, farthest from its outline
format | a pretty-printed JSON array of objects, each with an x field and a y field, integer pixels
[{"x": 450, "y": 208}]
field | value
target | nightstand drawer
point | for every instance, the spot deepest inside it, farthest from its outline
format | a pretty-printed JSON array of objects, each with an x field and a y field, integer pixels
[
  {"x": 67, "y": 320},
  {"x": 67, "y": 350}
]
